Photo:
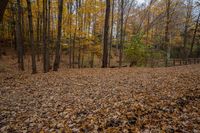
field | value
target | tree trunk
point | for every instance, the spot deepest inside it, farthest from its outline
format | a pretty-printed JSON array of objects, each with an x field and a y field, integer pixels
[
  {"x": 31, "y": 37},
  {"x": 19, "y": 37},
  {"x": 13, "y": 26},
  {"x": 73, "y": 49},
  {"x": 188, "y": 16},
  {"x": 111, "y": 32},
  {"x": 70, "y": 34},
  {"x": 79, "y": 24},
  {"x": 194, "y": 35},
  {"x": 3, "y": 4},
  {"x": 57, "y": 58},
  {"x": 38, "y": 31},
  {"x": 167, "y": 45},
  {"x": 49, "y": 33},
  {"x": 45, "y": 48},
  {"x": 106, "y": 32},
  {"x": 94, "y": 34},
  {"x": 121, "y": 33},
  {"x": 118, "y": 29}
]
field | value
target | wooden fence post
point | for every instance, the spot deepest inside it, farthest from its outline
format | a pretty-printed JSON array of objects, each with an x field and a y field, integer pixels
[
  {"x": 166, "y": 63},
  {"x": 174, "y": 62},
  {"x": 180, "y": 62}
]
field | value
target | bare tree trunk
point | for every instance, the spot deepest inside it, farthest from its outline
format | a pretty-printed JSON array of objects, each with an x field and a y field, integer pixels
[
  {"x": 3, "y": 4},
  {"x": 41, "y": 32},
  {"x": 121, "y": 33},
  {"x": 106, "y": 32},
  {"x": 188, "y": 16},
  {"x": 45, "y": 48},
  {"x": 13, "y": 26},
  {"x": 23, "y": 29},
  {"x": 79, "y": 24},
  {"x": 73, "y": 49},
  {"x": 34, "y": 70},
  {"x": 38, "y": 31},
  {"x": 111, "y": 33},
  {"x": 168, "y": 5},
  {"x": 74, "y": 41},
  {"x": 70, "y": 60},
  {"x": 57, "y": 58},
  {"x": 194, "y": 35},
  {"x": 49, "y": 33},
  {"x": 94, "y": 34},
  {"x": 118, "y": 28},
  {"x": 19, "y": 37},
  {"x": 70, "y": 34}
]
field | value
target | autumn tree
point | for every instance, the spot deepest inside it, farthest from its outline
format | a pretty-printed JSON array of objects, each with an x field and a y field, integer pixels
[
  {"x": 31, "y": 37},
  {"x": 167, "y": 43},
  {"x": 19, "y": 37},
  {"x": 187, "y": 20},
  {"x": 111, "y": 33},
  {"x": 45, "y": 47},
  {"x": 121, "y": 33},
  {"x": 57, "y": 58},
  {"x": 194, "y": 34},
  {"x": 106, "y": 32},
  {"x": 3, "y": 4}
]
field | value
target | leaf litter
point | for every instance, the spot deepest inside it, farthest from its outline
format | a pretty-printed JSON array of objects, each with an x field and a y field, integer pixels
[{"x": 115, "y": 100}]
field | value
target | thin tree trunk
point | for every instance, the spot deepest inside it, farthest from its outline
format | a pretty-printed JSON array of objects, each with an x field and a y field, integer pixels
[
  {"x": 57, "y": 58},
  {"x": 74, "y": 41},
  {"x": 19, "y": 37},
  {"x": 45, "y": 48},
  {"x": 41, "y": 32},
  {"x": 14, "y": 25},
  {"x": 49, "y": 33},
  {"x": 79, "y": 24},
  {"x": 34, "y": 70},
  {"x": 188, "y": 16},
  {"x": 3, "y": 4},
  {"x": 94, "y": 34},
  {"x": 118, "y": 28},
  {"x": 121, "y": 33},
  {"x": 38, "y": 31},
  {"x": 70, "y": 34},
  {"x": 23, "y": 28},
  {"x": 73, "y": 49},
  {"x": 148, "y": 20},
  {"x": 168, "y": 4},
  {"x": 111, "y": 33},
  {"x": 194, "y": 35},
  {"x": 52, "y": 36},
  {"x": 106, "y": 32}
]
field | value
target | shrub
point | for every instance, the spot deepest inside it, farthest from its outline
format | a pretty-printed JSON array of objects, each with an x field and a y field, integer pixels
[{"x": 136, "y": 53}]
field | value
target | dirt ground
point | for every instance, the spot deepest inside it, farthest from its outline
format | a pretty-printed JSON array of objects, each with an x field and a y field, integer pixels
[{"x": 101, "y": 100}]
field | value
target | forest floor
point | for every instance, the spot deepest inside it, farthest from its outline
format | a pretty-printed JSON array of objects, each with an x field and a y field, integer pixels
[{"x": 101, "y": 100}]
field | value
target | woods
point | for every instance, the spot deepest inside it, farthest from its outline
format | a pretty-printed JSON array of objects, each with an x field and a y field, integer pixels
[
  {"x": 99, "y": 66},
  {"x": 93, "y": 33}
]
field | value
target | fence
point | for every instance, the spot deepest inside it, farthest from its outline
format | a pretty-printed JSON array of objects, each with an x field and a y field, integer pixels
[{"x": 173, "y": 62}]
